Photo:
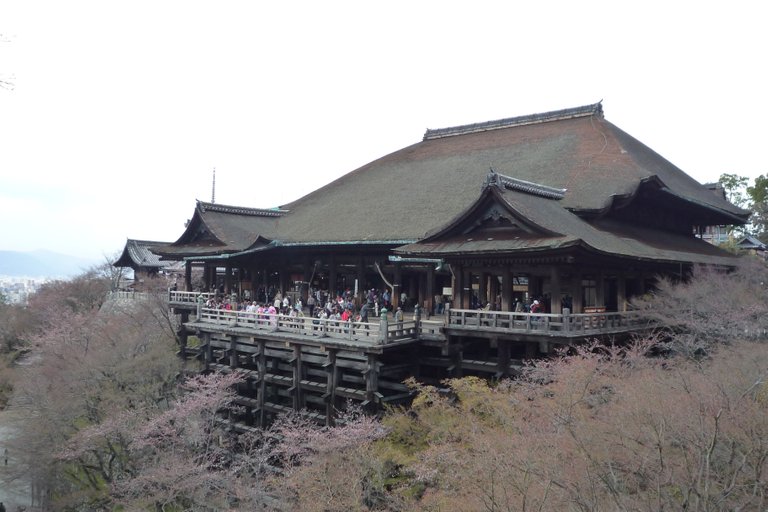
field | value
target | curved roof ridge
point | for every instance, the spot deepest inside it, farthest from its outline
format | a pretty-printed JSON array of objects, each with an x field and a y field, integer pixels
[
  {"x": 240, "y": 210},
  {"x": 529, "y": 187},
  {"x": 543, "y": 117}
]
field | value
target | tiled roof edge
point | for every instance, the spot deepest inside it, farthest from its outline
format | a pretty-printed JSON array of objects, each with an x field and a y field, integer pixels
[
  {"x": 555, "y": 115},
  {"x": 241, "y": 210},
  {"x": 510, "y": 183}
]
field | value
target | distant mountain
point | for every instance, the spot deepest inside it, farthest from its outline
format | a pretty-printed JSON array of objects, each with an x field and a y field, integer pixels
[{"x": 42, "y": 263}]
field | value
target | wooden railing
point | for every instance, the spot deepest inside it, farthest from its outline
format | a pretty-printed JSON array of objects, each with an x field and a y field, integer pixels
[
  {"x": 188, "y": 297},
  {"x": 372, "y": 333},
  {"x": 546, "y": 323},
  {"x": 125, "y": 295}
]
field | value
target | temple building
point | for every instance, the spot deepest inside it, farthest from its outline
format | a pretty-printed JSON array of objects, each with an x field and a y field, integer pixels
[{"x": 560, "y": 207}]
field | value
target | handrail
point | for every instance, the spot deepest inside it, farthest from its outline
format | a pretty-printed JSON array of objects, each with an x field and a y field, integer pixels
[
  {"x": 561, "y": 323},
  {"x": 385, "y": 331},
  {"x": 188, "y": 297},
  {"x": 371, "y": 333}
]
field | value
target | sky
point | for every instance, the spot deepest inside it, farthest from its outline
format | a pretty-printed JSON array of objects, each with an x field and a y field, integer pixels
[{"x": 119, "y": 111}]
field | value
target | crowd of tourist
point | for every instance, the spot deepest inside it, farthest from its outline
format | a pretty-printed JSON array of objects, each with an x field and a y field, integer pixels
[{"x": 319, "y": 304}]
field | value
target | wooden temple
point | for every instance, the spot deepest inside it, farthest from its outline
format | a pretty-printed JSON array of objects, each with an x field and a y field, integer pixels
[{"x": 561, "y": 207}]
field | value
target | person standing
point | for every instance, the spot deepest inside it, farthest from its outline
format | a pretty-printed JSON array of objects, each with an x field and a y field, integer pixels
[
  {"x": 399, "y": 320},
  {"x": 311, "y": 304}
]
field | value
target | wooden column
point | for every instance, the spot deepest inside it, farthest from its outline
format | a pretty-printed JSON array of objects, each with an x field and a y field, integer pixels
[
  {"x": 298, "y": 376},
  {"x": 621, "y": 292},
  {"x": 429, "y": 302},
  {"x": 503, "y": 350},
  {"x": 493, "y": 290},
  {"x": 228, "y": 279},
  {"x": 482, "y": 293},
  {"x": 262, "y": 367},
  {"x": 332, "y": 277},
  {"x": 457, "y": 286},
  {"x": 283, "y": 279},
  {"x": 208, "y": 350},
  {"x": 372, "y": 381},
  {"x": 600, "y": 289},
  {"x": 254, "y": 283},
  {"x": 233, "y": 361},
  {"x": 183, "y": 336},
  {"x": 361, "y": 292},
  {"x": 506, "y": 290},
  {"x": 466, "y": 280},
  {"x": 332, "y": 380},
  {"x": 554, "y": 289},
  {"x": 397, "y": 285},
  {"x": 578, "y": 294},
  {"x": 188, "y": 276},
  {"x": 265, "y": 282},
  {"x": 308, "y": 267}
]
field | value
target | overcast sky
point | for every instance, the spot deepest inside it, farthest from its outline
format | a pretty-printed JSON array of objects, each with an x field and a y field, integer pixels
[{"x": 121, "y": 110}]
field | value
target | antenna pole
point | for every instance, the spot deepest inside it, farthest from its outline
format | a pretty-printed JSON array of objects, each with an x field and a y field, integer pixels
[{"x": 213, "y": 187}]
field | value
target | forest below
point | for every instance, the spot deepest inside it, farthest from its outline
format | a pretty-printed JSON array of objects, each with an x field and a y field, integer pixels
[{"x": 107, "y": 417}]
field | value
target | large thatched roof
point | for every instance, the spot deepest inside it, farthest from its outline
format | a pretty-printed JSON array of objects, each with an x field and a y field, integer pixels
[{"x": 406, "y": 195}]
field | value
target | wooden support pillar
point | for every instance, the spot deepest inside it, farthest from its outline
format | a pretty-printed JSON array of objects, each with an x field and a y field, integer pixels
[
  {"x": 621, "y": 292},
  {"x": 483, "y": 290},
  {"x": 262, "y": 391},
  {"x": 183, "y": 336},
  {"x": 493, "y": 290},
  {"x": 457, "y": 356},
  {"x": 503, "y": 350},
  {"x": 208, "y": 351},
  {"x": 600, "y": 290},
  {"x": 332, "y": 277},
  {"x": 361, "y": 291},
  {"x": 283, "y": 279},
  {"x": 457, "y": 286},
  {"x": 397, "y": 286},
  {"x": 555, "y": 306},
  {"x": 506, "y": 290},
  {"x": 228, "y": 279},
  {"x": 233, "y": 362},
  {"x": 332, "y": 380},
  {"x": 265, "y": 283},
  {"x": 254, "y": 283},
  {"x": 466, "y": 280},
  {"x": 372, "y": 394},
  {"x": 298, "y": 376},
  {"x": 578, "y": 294},
  {"x": 188, "y": 276},
  {"x": 306, "y": 275},
  {"x": 429, "y": 292}
]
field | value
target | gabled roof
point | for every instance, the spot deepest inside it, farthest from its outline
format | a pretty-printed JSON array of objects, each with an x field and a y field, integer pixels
[
  {"x": 573, "y": 157},
  {"x": 750, "y": 242},
  {"x": 216, "y": 228},
  {"x": 137, "y": 253},
  {"x": 410, "y": 192},
  {"x": 553, "y": 227}
]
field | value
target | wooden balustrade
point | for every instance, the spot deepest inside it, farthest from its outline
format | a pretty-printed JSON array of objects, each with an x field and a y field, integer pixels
[
  {"x": 546, "y": 323},
  {"x": 188, "y": 297},
  {"x": 360, "y": 332},
  {"x": 386, "y": 331}
]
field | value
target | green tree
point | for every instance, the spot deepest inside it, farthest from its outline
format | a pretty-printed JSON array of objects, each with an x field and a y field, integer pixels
[
  {"x": 758, "y": 195},
  {"x": 735, "y": 188}
]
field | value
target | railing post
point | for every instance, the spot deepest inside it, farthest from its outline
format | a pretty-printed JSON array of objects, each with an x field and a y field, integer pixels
[
  {"x": 417, "y": 320},
  {"x": 566, "y": 319},
  {"x": 200, "y": 302},
  {"x": 383, "y": 326}
]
